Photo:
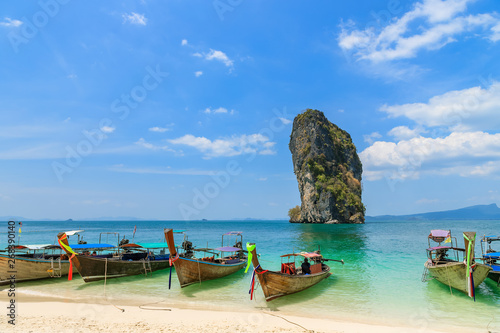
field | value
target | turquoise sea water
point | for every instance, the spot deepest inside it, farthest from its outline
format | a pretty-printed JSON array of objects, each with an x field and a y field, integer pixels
[{"x": 380, "y": 281}]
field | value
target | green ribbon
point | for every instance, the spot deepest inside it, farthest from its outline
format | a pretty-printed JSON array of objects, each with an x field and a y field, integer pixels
[
  {"x": 469, "y": 250},
  {"x": 250, "y": 248}
]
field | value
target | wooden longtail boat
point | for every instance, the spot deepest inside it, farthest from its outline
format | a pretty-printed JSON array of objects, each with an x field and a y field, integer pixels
[
  {"x": 289, "y": 280},
  {"x": 194, "y": 270},
  {"x": 491, "y": 257},
  {"x": 463, "y": 275},
  {"x": 117, "y": 264},
  {"x": 34, "y": 262}
]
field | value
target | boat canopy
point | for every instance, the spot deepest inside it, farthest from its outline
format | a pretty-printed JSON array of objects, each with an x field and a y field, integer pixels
[
  {"x": 233, "y": 233},
  {"x": 492, "y": 255},
  {"x": 439, "y": 248},
  {"x": 439, "y": 235},
  {"x": 91, "y": 246},
  {"x": 228, "y": 249},
  {"x": 303, "y": 254},
  {"x": 73, "y": 232},
  {"x": 33, "y": 247}
]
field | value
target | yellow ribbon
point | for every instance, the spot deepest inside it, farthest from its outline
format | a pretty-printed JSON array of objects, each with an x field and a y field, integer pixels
[{"x": 64, "y": 246}]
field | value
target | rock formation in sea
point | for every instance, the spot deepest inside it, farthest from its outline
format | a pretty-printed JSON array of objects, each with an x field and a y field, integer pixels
[{"x": 328, "y": 172}]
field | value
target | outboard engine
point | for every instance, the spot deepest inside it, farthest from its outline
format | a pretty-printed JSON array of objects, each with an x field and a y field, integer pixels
[
  {"x": 123, "y": 241},
  {"x": 238, "y": 244},
  {"x": 187, "y": 246},
  {"x": 81, "y": 241}
]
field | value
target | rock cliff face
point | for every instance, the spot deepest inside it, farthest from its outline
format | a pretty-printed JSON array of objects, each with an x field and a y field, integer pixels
[{"x": 328, "y": 171}]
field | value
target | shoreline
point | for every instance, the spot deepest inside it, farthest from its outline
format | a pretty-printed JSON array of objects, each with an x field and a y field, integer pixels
[{"x": 40, "y": 314}]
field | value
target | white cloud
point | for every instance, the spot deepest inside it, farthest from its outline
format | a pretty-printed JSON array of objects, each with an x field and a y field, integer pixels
[
  {"x": 495, "y": 37},
  {"x": 460, "y": 110},
  {"x": 218, "y": 110},
  {"x": 107, "y": 129},
  {"x": 159, "y": 129},
  {"x": 143, "y": 143},
  {"x": 219, "y": 56},
  {"x": 135, "y": 18},
  {"x": 8, "y": 22},
  {"x": 235, "y": 145},
  {"x": 285, "y": 121},
  {"x": 370, "y": 138},
  {"x": 262, "y": 179},
  {"x": 405, "y": 133},
  {"x": 437, "y": 23},
  {"x": 198, "y": 73},
  {"x": 184, "y": 42},
  {"x": 460, "y": 153}
]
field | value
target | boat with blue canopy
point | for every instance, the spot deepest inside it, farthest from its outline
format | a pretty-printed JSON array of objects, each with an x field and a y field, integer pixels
[{"x": 491, "y": 257}]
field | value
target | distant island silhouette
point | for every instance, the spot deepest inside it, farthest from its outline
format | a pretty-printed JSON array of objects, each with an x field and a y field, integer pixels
[{"x": 477, "y": 212}]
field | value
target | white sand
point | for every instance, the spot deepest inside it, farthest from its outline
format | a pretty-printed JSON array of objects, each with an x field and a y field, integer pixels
[{"x": 83, "y": 317}]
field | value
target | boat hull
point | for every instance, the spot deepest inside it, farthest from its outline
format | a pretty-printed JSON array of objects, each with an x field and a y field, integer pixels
[
  {"x": 276, "y": 284},
  {"x": 191, "y": 271},
  {"x": 453, "y": 274},
  {"x": 28, "y": 269},
  {"x": 95, "y": 269}
]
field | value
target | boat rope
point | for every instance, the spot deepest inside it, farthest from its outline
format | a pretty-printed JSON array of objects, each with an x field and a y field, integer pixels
[
  {"x": 291, "y": 322},
  {"x": 171, "y": 264},
  {"x": 105, "y": 278},
  {"x": 157, "y": 309}
]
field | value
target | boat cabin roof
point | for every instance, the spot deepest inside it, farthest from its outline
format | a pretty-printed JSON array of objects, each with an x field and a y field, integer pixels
[
  {"x": 233, "y": 233},
  {"x": 303, "y": 254},
  {"x": 160, "y": 245},
  {"x": 35, "y": 247},
  {"x": 73, "y": 232}
]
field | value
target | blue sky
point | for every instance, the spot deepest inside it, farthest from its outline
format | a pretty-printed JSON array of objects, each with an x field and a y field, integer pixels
[{"x": 164, "y": 110}]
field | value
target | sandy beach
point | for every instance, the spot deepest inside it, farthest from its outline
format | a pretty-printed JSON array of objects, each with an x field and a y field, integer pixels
[{"x": 159, "y": 317}]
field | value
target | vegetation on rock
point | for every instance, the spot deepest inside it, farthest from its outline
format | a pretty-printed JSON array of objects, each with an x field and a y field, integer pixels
[{"x": 328, "y": 170}]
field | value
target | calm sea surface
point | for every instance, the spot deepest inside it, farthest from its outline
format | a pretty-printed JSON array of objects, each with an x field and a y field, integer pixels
[{"x": 380, "y": 281}]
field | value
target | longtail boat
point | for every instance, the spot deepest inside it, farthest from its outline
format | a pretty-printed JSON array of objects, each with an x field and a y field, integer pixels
[
  {"x": 290, "y": 279},
  {"x": 34, "y": 262},
  {"x": 191, "y": 269},
  {"x": 464, "y": 275},
  {"x": 126, "y": 260},
  {"x": 491, "y": 257}
]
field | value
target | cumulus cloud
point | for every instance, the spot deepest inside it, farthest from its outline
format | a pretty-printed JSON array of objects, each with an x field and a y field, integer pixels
[
  {"x": 474, "y": 108},
  {"x": 184, "y": 42},
  {"x": 430, "y": 25},
  {"x": 8, "y": 22},
  {"x": 233, "y": 146},
  {"x": 135, "y": 18},
  {"x": 405, "y": 133},
  {"x": 463, "y": 153},
  {"x": 198, "y": 73}
]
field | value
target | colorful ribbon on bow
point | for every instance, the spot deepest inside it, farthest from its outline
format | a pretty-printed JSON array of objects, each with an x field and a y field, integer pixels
[
  {"x": 470, "y": 268},
  {"x": 73, "y": 254},
  {"x": 250, "y": 248}
]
